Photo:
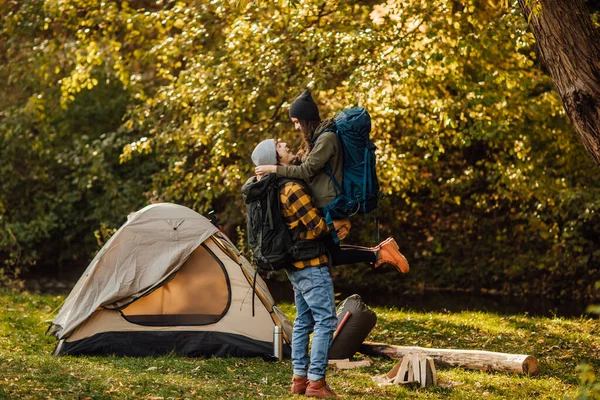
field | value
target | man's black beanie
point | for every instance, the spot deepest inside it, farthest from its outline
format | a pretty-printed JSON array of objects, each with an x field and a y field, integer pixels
[{"x": 305, "y": 108}]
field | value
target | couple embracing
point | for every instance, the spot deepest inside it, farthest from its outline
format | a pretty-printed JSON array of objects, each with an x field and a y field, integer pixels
[{"x": 302, "y": 199}]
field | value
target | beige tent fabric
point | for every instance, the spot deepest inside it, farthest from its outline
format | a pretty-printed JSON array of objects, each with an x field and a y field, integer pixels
[
  {"x": 230, "y": 250},
  {"x": 141, "y": 255},
  {"x": 238, "y": 319},
  {"x": 262, "y": 291}
]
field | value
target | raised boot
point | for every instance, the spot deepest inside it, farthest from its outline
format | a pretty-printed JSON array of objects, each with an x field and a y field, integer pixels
[
  {"x": 320, "y": 390},
  {"x": 299, "y": 384},
  {"x": 389, "y": 253}
]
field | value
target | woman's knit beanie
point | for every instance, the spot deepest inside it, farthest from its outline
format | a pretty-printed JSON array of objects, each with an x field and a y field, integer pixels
[{"x": 305, "y": 108}]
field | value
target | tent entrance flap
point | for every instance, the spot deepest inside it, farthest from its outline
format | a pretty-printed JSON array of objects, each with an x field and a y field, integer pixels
[{"x": 198, "y": 294}]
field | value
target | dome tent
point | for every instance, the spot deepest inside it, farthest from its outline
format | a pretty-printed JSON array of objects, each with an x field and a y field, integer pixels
[{"x": 169, "y": 281}]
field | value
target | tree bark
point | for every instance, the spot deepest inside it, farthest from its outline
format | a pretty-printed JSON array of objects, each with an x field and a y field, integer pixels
[
  {"x": 469, "y": 359},
  {"x": 569, "y": 45}
]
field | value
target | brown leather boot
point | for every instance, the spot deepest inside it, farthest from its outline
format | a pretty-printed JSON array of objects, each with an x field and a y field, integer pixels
[
  {"x": 299, "y": 384},
  {"x": 390, "y": 253},
  {"x": 320, "y": 389}
]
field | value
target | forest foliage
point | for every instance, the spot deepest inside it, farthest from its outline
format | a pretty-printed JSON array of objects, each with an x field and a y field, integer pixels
[{"x": 108, "y": 106}]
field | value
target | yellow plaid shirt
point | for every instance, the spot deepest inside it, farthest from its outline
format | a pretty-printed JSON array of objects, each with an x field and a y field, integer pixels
[{"x": 299, "y": 212}]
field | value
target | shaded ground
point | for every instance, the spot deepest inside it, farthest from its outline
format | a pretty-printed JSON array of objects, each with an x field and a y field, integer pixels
[{"x": 28, "y": 371}]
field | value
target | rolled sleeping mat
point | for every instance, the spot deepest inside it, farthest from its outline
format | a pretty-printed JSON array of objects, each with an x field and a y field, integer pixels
[{"x": 355, "y": 322}]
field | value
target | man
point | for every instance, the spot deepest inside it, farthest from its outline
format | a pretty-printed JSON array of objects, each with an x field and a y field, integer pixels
[{"x": 311, "y": 280}]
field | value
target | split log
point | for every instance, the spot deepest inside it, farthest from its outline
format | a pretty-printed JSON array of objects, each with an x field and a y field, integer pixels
[
  {"x": 347, "y": 364},
  {"x": 414, "y": 367},
  {"x": 468, "y": 359}
]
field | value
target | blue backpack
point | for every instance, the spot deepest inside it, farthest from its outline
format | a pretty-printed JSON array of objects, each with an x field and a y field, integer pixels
[{"x": 359, "y": 191}]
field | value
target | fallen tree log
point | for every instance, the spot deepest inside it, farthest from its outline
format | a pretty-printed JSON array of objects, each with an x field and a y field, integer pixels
[{"x": 468, "y": 359}]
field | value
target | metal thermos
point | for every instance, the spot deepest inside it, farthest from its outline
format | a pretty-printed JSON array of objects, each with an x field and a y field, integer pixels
[{"x": 277, "y": 343}]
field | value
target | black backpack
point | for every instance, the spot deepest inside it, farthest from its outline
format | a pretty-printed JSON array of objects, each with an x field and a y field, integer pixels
[{"x": 273, "y": 246}]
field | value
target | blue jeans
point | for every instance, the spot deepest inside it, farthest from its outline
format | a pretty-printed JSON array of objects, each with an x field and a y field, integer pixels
[{"x": 315, "y": 312}]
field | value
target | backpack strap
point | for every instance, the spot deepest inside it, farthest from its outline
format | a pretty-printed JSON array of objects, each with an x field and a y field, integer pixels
[
  {"x": 366, "y": 181},
  {"x": 329, "y": 172},
  {"x": 329, "y": 222},
  {"x": 270, "y": 216}
]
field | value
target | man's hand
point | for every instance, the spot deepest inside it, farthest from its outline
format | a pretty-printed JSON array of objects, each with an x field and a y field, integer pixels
[{"x": 265, "y": 169}]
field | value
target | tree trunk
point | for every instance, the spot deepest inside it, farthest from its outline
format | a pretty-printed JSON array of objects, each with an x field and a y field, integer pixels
[
  {"x": 569, "y": 45},
  {"x": 469, "y": 359}
]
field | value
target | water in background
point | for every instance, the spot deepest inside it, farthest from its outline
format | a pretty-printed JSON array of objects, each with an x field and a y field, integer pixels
[
  {"x": 444, "y": 301},
  {"x": 448, "y": 301}
]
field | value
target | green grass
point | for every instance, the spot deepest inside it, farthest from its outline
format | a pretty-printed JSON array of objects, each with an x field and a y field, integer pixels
[{"x": 27, "y": 370}]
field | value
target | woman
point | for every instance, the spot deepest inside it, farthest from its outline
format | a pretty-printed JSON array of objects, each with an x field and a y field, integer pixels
[{"x": 321, "y": 149}]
